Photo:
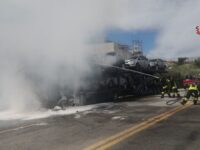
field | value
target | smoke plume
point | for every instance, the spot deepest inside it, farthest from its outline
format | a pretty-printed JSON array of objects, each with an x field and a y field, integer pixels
[{"x": 45, "y": 45}]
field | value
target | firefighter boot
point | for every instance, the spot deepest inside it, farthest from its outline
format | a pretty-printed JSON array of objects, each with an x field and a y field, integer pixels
[
  {"x": 195, "y": 102},
  {"x": 183, "y": 102},
  {"x": 162, "y": 95},
  {"x": 169, "y": 95},
  {"x": 178, "y": 95}
]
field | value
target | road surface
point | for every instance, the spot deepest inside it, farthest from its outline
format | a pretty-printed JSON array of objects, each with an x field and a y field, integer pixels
[{"x": 143, "y": 123}]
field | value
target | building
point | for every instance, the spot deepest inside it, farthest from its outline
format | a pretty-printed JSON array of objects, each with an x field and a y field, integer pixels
[{"x": 111, "y": 52}]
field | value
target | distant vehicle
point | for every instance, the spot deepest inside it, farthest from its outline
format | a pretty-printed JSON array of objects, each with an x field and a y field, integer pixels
[
  {"x": 190, "y": 80},
  {"x": 157, "y": 64},
  {"x": 137, "y": 62}
]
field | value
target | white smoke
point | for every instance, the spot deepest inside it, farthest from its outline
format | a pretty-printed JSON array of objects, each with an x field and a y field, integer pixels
[
  {"x": 43, "y": 44},
  {"x": 175, "y": 22},
  {"x": 46, "y": 43}
]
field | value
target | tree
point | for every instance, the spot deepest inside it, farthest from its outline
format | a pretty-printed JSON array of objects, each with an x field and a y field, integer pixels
[
  {"x": 181, "y": 60},
  {"x": 197, "y": 62}
]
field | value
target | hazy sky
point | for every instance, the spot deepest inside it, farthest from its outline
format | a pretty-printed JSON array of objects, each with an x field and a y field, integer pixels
[{"x": 174, "y": 22}]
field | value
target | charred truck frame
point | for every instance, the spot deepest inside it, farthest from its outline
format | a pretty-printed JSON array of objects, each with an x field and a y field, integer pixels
[{"x": 112, "y": 82}]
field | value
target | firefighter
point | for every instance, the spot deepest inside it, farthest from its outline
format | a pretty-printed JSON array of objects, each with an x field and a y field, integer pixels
[
  {"x": 166, "y": 86},
  {"x": 192, "y": 91},
  {"x": 174, "y": 89}
]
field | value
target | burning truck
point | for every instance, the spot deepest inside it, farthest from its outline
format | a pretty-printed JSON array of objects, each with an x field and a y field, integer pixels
[
  {"x": 110, "y": 80},
  {"x": 111, "y": 83}
]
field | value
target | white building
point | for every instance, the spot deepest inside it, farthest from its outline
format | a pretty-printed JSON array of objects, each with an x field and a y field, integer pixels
[{"x": 110, "y": 52}]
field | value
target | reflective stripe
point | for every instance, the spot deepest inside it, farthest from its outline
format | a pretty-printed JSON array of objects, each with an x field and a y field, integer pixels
[
  {"x": 164, "y": 87},
  {"x": 174, "y": 87},
  {"x": 193, "y": 87}
]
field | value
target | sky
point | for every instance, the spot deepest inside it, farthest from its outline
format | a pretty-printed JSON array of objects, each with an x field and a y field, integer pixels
[
  {"x": 126, "y": 37},
  {"x": 148, "y": 38}
]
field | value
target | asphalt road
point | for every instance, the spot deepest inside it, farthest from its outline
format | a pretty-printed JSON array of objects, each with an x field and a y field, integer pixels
[
  {"x": 179, "y": 132},
  {"x": 83, "y": 130}
]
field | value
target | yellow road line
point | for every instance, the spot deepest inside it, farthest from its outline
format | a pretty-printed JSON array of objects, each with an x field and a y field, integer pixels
[{"x": 110, "y": 141}]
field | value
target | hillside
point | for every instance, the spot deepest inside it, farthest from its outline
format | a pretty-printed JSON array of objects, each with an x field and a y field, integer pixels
[{"x": 185, "y": 69}]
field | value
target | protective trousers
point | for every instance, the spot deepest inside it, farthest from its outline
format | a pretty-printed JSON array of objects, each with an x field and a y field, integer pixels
[
  {"x": 165, "y": 90},
  {"x": 190, "y": 93},
  {"x": 175, "y": 91}
]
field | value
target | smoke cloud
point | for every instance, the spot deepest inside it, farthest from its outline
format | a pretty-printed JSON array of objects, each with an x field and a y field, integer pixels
[{"x": 45, "y": 45}]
